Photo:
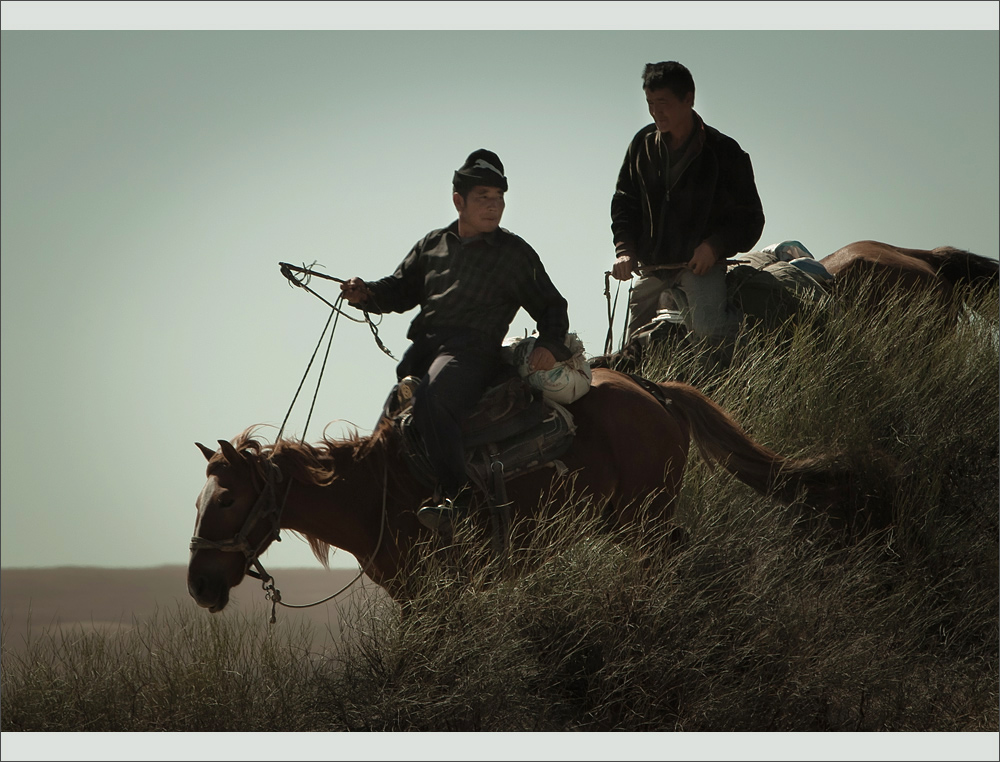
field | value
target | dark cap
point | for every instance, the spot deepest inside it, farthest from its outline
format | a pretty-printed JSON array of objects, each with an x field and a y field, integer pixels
[{"x": 481, "y": 168}]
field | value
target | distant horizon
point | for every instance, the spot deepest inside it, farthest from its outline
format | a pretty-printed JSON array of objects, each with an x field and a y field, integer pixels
[{"x": 39, "y": 600}]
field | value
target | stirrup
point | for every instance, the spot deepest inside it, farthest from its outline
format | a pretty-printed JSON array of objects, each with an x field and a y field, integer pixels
[{"x": 438, "y": 517}]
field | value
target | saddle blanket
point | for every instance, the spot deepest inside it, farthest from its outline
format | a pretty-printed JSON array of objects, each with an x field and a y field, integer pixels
[{"x": 526, "y": 431}]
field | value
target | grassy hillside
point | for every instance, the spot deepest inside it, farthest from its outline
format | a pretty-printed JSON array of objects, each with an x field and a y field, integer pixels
[{"x": 882, "y": 616}]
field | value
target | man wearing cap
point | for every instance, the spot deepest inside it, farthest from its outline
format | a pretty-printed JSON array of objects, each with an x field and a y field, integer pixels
[
  {"x": 685, "y": 201},
  {"x": 469, "y": 279}
]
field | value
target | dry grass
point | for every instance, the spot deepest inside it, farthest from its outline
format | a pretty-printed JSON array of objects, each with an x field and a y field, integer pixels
[{"x": 767, "y": 619}]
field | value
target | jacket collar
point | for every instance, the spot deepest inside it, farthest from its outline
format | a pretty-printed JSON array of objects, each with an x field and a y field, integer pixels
[{"x": 493, "y": 239}]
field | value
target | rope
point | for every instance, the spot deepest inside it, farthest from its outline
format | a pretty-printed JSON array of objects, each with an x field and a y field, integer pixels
[
  {"x": 274, "y": 595},
  {"x": 286, "y": 270},
  {"x": 301, "y": 283},
  {"x": 621, "y": 345},
  {"x": 267, "y": 580},
  {"x": 655, "y": 268},
  {"x": 609, "y": 341},
  {"x": 305, "y": 375},
  {"x": 322, "y": 369}
]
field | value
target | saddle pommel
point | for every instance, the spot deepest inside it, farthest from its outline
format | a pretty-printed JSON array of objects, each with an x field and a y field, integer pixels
[{"x": 406, "y": 388}]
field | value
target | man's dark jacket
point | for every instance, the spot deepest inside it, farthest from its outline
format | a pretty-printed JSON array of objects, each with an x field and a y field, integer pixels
[
  {"x": 476, "y": 285},
  {"x": 714, "y": 198}
]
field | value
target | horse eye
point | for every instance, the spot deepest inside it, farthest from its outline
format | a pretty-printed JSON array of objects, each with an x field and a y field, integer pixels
[{"x": 226, "y": 501}]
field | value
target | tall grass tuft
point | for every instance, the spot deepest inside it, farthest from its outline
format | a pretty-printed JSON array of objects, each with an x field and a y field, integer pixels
[
  {"x": 766, "y": 618},
  {"x": 176, "y": 671}
]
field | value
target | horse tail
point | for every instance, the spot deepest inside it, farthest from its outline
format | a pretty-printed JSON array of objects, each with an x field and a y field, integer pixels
[{"x": 721, "y": 440}]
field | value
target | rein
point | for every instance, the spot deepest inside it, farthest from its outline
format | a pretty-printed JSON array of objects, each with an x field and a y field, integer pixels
[
  {"x": 272, "y": 594},
  {"x": 266, "y": 506},
  {"x": 288, "y": 271},
  {"x": 609, "y": 341}
]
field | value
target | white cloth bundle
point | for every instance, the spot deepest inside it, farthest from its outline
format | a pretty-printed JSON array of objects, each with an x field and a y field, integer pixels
[{"x": 567, "y": 381}]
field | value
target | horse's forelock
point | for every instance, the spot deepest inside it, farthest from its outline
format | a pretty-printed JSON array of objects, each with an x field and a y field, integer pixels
[
  {"x": 246, "y": 440},
  {"x": 252, "y": 450}
]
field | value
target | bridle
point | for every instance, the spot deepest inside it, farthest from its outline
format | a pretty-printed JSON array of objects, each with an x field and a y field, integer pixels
[{"x": 265, "y": 509}]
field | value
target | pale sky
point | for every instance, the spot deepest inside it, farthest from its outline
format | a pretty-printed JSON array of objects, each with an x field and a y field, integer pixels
[{"x": 152, "y": 180}]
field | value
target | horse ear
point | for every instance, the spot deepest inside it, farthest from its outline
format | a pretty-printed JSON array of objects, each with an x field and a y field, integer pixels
[
  {"x": 230, "y": 453},
  {"x": 208, "y": 453}
]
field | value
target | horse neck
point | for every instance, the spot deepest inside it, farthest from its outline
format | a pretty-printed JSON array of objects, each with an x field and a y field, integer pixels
[
  {"x": 346, "y": 513},
  {"x": 960, "y": 266}
]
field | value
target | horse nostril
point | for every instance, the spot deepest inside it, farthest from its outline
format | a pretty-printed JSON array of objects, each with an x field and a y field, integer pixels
[{"x": 197, "y": 586}]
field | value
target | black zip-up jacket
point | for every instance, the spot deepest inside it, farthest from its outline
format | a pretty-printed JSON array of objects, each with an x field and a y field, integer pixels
[
  {"x": 714, "y": 198},
  {"x": 477, "y": 284}
]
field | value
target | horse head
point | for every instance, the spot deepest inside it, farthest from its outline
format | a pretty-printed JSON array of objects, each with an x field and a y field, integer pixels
[{"x": 238, "y": 515}]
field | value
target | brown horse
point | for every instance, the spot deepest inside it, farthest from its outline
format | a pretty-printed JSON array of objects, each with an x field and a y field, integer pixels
[
  {"x": 890, "y": 267},
  {"x": 630, "y": 450}
]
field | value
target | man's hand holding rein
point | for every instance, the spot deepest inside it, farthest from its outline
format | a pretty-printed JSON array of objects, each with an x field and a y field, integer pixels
[{"x": 355, "y": 291}]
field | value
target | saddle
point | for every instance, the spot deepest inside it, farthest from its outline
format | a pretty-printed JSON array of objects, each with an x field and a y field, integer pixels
[{"x": 513, "y": 429}]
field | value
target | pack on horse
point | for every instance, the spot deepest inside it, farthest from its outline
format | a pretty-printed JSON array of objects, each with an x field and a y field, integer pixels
[{"x": 628, "y": 448}]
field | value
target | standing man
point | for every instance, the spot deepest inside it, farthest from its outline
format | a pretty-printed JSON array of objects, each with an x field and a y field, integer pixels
[
  {"x": 685, "y": 202},
  {"x": 469, "y": 279}
]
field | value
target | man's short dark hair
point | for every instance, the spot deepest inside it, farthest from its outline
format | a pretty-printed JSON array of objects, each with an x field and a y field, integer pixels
[{"x": 668, "y": 74}]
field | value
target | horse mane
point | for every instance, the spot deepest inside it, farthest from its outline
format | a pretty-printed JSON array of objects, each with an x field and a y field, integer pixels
[
  {"x": 316, "y": 464},
  {"x": 959, "y": 266}
]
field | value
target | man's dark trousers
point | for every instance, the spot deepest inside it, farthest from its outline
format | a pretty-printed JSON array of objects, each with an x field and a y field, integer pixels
[{"x": 455, "y": 368}]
